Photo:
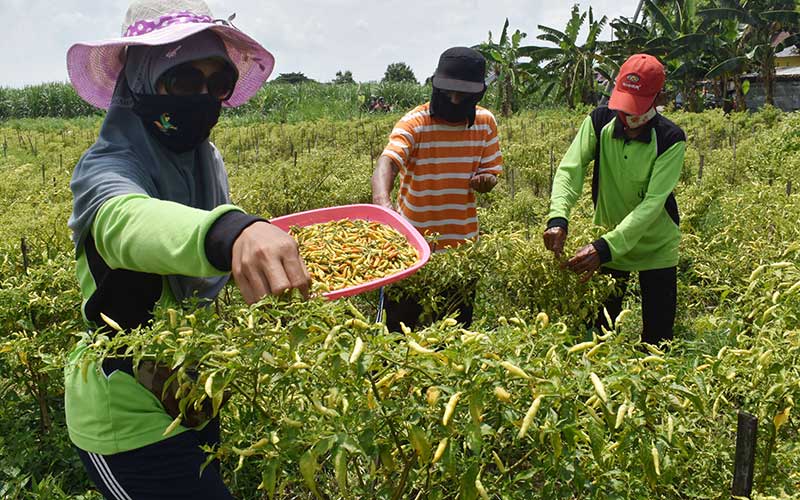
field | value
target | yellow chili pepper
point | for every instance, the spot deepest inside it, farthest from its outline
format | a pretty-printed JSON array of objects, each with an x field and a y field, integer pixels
[{"x": 345, "y": 253}]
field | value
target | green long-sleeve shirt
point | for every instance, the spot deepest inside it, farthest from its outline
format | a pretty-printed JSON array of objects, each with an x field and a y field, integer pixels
[
  {"x": 136, "y": 242},
  {"x": 632, "y": 189}
]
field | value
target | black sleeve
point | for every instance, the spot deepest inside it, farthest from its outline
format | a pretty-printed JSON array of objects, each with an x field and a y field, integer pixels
[
  {"x": 558, "y": 222},
  {"x": 603, "y": 250},
  {"x": 220, "y": 238}
]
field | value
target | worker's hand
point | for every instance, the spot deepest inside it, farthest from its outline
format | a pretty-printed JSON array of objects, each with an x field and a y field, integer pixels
[
  {"x": 266, "y": 260},
  {"x": 483, "y": 183},
  {"x": 585, "y": 263},
  {"x": 554, "y": 239}
]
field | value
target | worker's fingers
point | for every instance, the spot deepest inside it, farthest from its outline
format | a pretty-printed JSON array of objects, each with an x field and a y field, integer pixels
[{"x": 297, "y": 274}]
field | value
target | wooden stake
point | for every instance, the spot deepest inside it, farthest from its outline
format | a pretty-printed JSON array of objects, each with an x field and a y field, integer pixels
[
  {"x": 24, "y": 249},
  {"x": 733, "y": 167},
  {"x": 702, "y": 164},
  {"x": 744, "y": 464},
  {"x": 789, "y": 187}
]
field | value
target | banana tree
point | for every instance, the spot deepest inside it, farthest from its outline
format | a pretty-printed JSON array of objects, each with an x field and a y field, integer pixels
[
  {"x": 733, "y": 63},
  {"x": 686, "y": 48},
  {"x": 503, "y": 58},
  {"x": 760, "y": 21},
  {"x": 569, "y": 65}
]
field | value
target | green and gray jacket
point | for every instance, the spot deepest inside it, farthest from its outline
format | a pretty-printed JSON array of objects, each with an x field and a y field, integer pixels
[
  {"x": 135, "y": 243},
  {"x": 632, "y": 186}
]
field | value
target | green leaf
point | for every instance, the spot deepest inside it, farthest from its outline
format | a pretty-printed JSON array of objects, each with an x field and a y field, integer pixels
[
  {"x": 474, "y": 438},
  {"x": 420, "y": 442},
  {"x": 734, "y": 64},
  {"x": 720, "y": 14},
  {"x": 788, "y": 17},
  {"x": 504, "y": 34},
  {"x": 660, "y": 18},
  {"x": 269, "y": 477},
  {"x": 324, "y": 445},
  {"x": 308, "y": 469},
  {"x": 693, "y": 398},
  {"x": 516, "y": 38},
  {"x": 340, "y": 470},
  {"x": 468, "y": 489},
  {"x": 745, "y": 87}
]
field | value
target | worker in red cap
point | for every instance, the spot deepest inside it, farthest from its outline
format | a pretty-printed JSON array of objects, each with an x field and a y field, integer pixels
[{"x": 638, "y": 155}]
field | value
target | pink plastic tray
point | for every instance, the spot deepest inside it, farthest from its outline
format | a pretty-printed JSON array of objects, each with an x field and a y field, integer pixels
[{"x": 370, "y": 213}]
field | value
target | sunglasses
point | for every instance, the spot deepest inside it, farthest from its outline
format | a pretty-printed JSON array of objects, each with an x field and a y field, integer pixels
[{"x": 185, "y": 79}]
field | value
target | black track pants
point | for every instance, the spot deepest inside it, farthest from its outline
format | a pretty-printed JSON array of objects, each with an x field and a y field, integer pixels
[{"x": 169, "y": 469}]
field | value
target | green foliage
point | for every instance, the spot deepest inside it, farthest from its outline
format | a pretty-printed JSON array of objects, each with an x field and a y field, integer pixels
[
  {"x": 399, "y": 72},
  {"x": 305, "y": 420},
  {"x": 291, "y": 78},
  {"x": 503, "y": 61},
  {"x": 570, "y": 66},
  {"x": 346, "y": 77},
  {"x": 48, "y": 99}
]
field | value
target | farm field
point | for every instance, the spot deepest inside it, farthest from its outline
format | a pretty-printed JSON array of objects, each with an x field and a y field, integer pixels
[{"x": 524, "y": 404}]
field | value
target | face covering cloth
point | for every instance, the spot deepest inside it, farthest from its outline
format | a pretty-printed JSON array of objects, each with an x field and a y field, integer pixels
[
  {"x": 631, "y": 121},
  {"x": 442, "y": 107},
  {"x": 128, "y": 159}
]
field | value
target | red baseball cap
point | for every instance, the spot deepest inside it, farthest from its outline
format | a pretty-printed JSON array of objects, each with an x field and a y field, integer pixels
[{"x": 640, "y": 79}]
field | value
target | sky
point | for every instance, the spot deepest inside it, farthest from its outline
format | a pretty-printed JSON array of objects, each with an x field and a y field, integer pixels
[{"x": 313, "y": 37}]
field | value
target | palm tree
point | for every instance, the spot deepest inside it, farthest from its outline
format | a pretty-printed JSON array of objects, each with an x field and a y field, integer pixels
[{"x": 760, "y": 22}]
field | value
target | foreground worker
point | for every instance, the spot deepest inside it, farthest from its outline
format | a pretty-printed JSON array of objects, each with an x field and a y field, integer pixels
[
  {"x": 153, "y": 224},
  {"x": 638, "y": 155}
]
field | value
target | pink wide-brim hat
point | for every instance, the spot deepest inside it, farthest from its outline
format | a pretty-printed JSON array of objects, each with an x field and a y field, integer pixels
[{"x": 94, "y": 67}]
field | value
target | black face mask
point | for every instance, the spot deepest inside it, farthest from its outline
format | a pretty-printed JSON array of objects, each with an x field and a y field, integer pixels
[
  {"x": 442, "y": 107},
  {"x": 180, "y": 123}
]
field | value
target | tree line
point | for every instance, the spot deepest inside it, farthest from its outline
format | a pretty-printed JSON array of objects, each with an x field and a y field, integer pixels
[{"x": 706, "y": 45}]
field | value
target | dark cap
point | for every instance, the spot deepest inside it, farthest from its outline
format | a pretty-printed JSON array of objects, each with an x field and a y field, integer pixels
[{"x": 461, "y": 69}]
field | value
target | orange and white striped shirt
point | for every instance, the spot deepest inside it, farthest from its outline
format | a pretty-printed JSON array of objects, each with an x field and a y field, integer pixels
[{"x": 436, "y": 160}]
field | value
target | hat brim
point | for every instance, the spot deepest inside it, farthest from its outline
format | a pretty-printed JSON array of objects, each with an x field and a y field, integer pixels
[
  {"x": 629, "y": 103},
  {"x": 458, "y": 85},
  {"x": 94, "y": 67}
]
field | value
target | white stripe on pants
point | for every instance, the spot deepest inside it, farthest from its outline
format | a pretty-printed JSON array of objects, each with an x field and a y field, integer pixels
[{"x": 108, "y": 478}]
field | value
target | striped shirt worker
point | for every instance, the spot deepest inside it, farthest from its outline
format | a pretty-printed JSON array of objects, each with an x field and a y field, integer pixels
[{"x": 436, "y": 161}]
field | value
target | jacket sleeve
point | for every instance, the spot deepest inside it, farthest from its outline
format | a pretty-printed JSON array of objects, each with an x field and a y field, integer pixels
[
  {"x": 568, "y": 179},
  {"x": 665, "y": 176},
  {"x": 144, "y": 234}
]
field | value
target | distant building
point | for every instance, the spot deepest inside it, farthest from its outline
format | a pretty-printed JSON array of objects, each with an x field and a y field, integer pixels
[
  {"x": 788, "y": 57},
  {"x": 786, "y": 88}
]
